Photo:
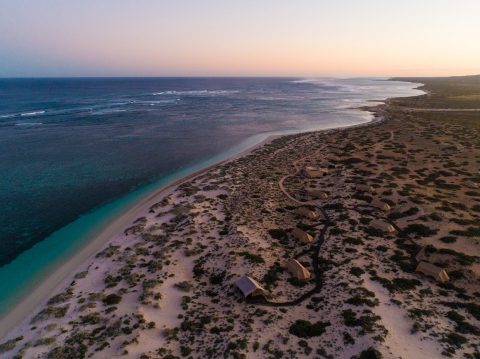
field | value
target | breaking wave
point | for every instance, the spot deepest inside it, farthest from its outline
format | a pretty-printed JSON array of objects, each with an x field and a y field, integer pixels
[
  {"x": 106, "y": 112},
  {"x": 25, "y": 124},
  {"x": 196, "y": 92},
  {"x": 33, "y": 113}
]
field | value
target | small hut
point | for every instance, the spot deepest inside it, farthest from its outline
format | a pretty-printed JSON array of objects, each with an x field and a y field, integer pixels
[
  {"x": 306, "y": 212},
  {"x": 383, "y": 226},
  {"x": 297, "y": 270},
  {"x": 381, "y": 205},
  {"x": 314, "y": 172},
  {"x": 327, "y": 164},
  {"x": 316, "y": 193},
  {"x": 471, "y": 184},
  {"x": 250, "y": 287},
  {"x": 302, "y": 236},
  {"x": 364, "y": 188},
  {"x": 431, "y": 270}
]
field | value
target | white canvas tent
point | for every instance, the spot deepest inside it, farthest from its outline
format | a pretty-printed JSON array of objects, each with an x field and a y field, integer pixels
[
  {"x": 249, "y": 287},
  {"x": 433, "y": 271}
]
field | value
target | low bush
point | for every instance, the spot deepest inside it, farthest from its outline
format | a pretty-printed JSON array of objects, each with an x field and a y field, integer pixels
[
  {"x": 306, "y": 329},
  {"x": 356, "y": 271},
  {"x": 112, "y": 299},
  {"x": 370, "y": 353},
  {"x": 253, "y": 258},
  {"x": 419, "y": 230}
]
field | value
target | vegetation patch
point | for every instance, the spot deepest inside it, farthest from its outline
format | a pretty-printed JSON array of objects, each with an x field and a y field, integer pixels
[
  {"x": 306, "y": 329},
  {"x": 419, "y": 230},
  {"x": 279, "y": 234},
  {"x": 112, "y": 299},
  {"x": 252, "y": 258}
]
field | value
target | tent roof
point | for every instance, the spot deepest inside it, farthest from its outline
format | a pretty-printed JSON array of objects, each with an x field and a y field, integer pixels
[
  {"x": 297, "y": 269},
  {"x": 380, "y": 204},
  {"x": 248, "y": 286},
  {"x": 432, "y": 270},
  {"x": 302, "y": 235},
  {"x": 384, "y": 226}
]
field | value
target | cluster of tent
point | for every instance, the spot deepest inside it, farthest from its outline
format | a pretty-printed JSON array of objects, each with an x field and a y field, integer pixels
[
  {"x": 314, "y": 172},
  {"x": 377, "y": 203},
  {"x": 428, "y": 269},
  {"x": 251, "y": 288}
]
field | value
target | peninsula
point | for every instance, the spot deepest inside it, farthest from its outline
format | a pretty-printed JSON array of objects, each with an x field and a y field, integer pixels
[{"x": 361, "y": 242}]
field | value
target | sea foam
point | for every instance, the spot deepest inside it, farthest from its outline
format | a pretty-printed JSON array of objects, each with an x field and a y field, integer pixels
[
  {"x": 196, "y": 92},
  {"x": 33, "y": 113}
]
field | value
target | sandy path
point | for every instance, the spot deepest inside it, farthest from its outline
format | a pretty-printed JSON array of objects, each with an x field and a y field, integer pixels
[
  {"x": 297, "y": 171},
  {"x": 399, "y": 340}
]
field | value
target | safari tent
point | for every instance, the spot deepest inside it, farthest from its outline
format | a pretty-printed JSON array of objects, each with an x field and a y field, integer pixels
[
  {"x": 471, "y": 184},
  {"x": 306, "y": 212},
  {"x": 297, "y": 270},
  {"x": 314, "y": 172},
  {"x": 316, "y": 193},
  {"x": 364, "y": 188},
  {"x": 431, "y": 270},
  {"x": 383, "y": 226},
  {"x": 250, "y": 287},
  {"x": 302, "y": 236},
  {"x": 327, "y": 164},
  {"x": 378, "y": 203}
]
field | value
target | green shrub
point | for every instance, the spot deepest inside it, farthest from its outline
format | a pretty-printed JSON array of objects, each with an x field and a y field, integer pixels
[
  {"x": 448, "y": 239},
  {"x": 370, "y": 353},
  {"x": 470, "y": 232},
  {"x": 455, "y": 339},
  {"x": 271, "y": 277},
  {"x": 185, "y": 351},
  {"x": 348, "y": 339},
  {"x": 112, "y": 299},
  {"x": 297, "y": 282},
  {"x": 402, "y": 284},
  {"x": 217, "y": 278},
  {"x": 253, "y": 258},
  {"x": 353, "y": 241},
  {"x": 305, "y": 329},
  {"x": 183, "y": 286},
  {"x": 397, "y": 215},
  {"x": 9, "y": 345},
  {"x": 356, "y": 271},
  {"x": 419, "y": 230},
  {"x": 279, "y": 234}
]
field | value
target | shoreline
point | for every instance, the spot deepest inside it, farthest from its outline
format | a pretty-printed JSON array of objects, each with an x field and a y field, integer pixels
[
  {"x": 62, "y": 274},
  {"x": 165, "y": 286}
]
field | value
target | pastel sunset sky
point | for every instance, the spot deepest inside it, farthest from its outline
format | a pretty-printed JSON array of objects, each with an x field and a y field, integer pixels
[{"x": 233, "y": 37}]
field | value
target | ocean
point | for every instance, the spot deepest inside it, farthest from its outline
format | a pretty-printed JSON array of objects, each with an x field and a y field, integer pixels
[{"x": 76, "y": 152}]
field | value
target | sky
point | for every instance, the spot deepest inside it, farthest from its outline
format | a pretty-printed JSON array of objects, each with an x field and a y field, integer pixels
[{"x": 56, "y": 38}]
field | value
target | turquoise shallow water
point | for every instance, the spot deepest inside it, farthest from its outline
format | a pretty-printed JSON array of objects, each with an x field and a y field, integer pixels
[
  {"x": 33, "y": 265},
  {"x": 76, "y": 153}
]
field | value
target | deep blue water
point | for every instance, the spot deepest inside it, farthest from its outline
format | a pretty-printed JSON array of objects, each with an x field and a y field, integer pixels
[{"x": 68, "y": 146}]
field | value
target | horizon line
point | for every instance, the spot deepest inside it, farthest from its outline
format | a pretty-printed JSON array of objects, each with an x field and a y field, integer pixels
[{"x": 223, "y": 76}]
